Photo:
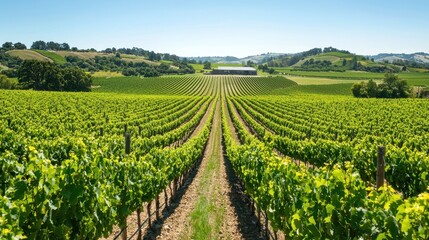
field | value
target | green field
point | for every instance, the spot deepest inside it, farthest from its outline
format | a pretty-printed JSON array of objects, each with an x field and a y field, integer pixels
[
  {"x": 339, "y": 89},
  {"x": 53, "y": 56},
  {"x": 413, "y": 78},
  {"x": 320, "y": 80}
]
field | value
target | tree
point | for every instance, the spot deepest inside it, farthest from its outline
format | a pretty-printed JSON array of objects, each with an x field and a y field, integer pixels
[
  {"x": 207, "y": 65},
  {"x": 393, "y": 87},
  {"x": 48, "y": 76},
  {"x": 6, "y": 83},
  {"x": 52, "y": 46},
  {"x": 20, "y": 46},
  {"x": 40, "y": 45},
  {"x": 356, "y": 89},
  {"x": 371, "y": 89},
  {"x": 76, "y": 80},
  {"x": 64, "y": 47},
  {"x": 7, "y": 46}
]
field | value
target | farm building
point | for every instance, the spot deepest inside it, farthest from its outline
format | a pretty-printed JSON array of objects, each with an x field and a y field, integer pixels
[{"x": 234, "y": 71}]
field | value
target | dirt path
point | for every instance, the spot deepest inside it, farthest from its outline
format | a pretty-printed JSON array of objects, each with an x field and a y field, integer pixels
[{"x": 213, "y": 205}]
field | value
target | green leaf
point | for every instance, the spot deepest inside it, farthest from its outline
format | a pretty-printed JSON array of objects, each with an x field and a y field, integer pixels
[
  {"x": 311, "y": 220},
  {"x": 330, "y": 208},
  {"x": 381, "y": 236},
  {"x": 406, "y": 225}
]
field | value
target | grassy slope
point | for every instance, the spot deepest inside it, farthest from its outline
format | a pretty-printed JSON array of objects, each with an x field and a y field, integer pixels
[
  {"x": 29, "y": 55},
  {"x": 134, "y": 58},
  {"x": 319, "y": 81},
  {"x": 83, "y": 55},
  {"x": 320, "y": 57},
  {"x": 2, "y": 67},
  {"x": 105, "y": 74},
  {"x": 413, "y": 78},
  {"x": 53, "y": 56}
]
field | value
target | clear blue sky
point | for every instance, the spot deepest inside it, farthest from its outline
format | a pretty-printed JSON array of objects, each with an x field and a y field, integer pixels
[{"x": 236, "y": 28}]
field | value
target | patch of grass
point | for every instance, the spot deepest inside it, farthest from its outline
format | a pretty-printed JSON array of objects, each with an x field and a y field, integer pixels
[
  {"x": 207, "y": 217},
  {"x": 105, "y": 74},
  {"x": 342, "y": 75},
  {"x": 134, "y": 58},
  {"x": 84, "y": 55},
  {"x": 342, "y": 89},
  {"x": 413, "y": 78},
  {"x": 319, "y": 81},
  {"x": 338, "y": 54},
  {"x": 2, "y": 67},
  {"x": 53, "y": 56},
  {"x": 332, "y": 59}
]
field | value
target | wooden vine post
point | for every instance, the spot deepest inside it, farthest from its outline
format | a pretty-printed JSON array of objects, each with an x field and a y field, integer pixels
[
  {"x": 380, "y": 166},
  {"x": 127, "y": 143},
  {"x": 127, "y": 151},
  {"x": 139, "y": 223}
]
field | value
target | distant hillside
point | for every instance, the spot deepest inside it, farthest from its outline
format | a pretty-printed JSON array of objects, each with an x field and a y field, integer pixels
[
  {"x": 229, "y": 59},
  {"x": 59, "y": 56},
  {"x": 413, "y": 57},
  {"x": 29, "y": 55},
  {"x": 330, "y": 59}
]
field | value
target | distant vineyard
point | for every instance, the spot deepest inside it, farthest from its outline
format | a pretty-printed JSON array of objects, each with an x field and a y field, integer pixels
[{"x": 193, "y": 85}]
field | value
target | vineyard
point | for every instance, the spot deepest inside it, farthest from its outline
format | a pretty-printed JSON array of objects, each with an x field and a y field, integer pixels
[{"x": 77, "y": 165}]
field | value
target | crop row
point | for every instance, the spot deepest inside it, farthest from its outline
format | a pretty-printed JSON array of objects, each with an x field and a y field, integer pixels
[
  {"x": 329, "y": 202},
  {"x": 79, "y": 184},
  {"x": 407, "y": 167}
]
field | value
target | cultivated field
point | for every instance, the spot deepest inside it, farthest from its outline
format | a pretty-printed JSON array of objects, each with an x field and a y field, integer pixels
[{"x": 209, "y": 157}]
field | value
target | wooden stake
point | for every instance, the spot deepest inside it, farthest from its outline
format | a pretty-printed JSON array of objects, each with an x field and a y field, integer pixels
[
  {"x": 157, "y": 208},
  {"x": 139, "y": 236},
  {"x": 380, "y": 166},
  {"x": 149, "y": 215},
  {"x": 166, "y": 197},
  {"x": 127, "y": 143}
]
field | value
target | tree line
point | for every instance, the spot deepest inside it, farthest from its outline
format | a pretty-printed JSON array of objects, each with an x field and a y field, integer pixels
[
  {"x": 391, "y": 87},
  {"x": 127, "y": 68}
]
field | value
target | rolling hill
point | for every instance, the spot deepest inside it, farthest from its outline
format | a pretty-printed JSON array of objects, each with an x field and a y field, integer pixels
[
  {"x": 29, "y": 55},
  {"x": 60, "y": 56},
  {"x": 234, "y": 60},
  {"x": 413, "y": 57}
]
